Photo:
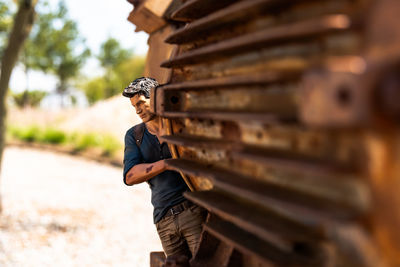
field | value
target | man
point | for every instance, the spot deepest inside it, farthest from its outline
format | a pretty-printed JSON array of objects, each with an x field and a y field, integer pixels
[{"x": 177, "y": 220}]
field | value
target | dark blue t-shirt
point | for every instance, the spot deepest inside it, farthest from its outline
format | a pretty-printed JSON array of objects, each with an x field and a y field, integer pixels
[{"x": 166, "y": 187}]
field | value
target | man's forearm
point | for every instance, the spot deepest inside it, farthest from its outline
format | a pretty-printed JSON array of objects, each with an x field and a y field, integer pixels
[{"x": 145, "y": 171}]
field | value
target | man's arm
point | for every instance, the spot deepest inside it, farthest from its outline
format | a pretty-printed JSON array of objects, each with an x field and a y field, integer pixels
[{"x": 145, "y": 171}]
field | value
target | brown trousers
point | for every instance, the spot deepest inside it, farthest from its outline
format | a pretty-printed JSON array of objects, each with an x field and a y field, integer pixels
[{"x": 180, "y": 234}]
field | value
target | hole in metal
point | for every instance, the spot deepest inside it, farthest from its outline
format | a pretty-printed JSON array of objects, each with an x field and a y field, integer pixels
[
  {"x": 174, "y": 99},
  {"x": 344, "y": 96}
]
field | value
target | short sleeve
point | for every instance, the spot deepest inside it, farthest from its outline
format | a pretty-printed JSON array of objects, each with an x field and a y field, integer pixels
[{"x": 132, "y": 154}]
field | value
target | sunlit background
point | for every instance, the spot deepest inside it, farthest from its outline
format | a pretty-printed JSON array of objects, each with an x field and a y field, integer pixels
[
  {"x": 95, "y": 25},
  {"x": 64, "y": 203}
]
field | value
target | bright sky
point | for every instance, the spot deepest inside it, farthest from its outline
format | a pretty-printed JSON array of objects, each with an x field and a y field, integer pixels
[{"x": 97, "y": 20}]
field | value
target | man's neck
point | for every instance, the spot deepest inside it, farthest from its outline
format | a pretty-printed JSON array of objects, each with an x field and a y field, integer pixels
[{"x": 153, "y": 126}]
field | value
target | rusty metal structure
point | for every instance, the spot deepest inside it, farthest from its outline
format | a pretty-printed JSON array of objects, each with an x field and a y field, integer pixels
[{"x": 283, "y": 117}]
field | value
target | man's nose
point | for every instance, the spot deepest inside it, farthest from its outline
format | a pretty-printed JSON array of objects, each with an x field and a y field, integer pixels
[{"x": 138, "y": 111}]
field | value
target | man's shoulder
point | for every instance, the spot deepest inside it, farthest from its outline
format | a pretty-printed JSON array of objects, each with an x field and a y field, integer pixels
[
  {"x": 131, "y": 130},
  {"x": 135, "y": 134}
]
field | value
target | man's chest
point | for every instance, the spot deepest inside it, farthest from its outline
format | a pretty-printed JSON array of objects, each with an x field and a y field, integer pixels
[{"x": 152, "y": 150}]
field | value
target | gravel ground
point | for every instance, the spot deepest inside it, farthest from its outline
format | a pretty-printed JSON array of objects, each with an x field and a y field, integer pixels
[{"x": 64, "y": 211}]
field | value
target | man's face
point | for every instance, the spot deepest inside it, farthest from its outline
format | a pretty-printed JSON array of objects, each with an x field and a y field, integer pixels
[{"x": 142, "y": 107}]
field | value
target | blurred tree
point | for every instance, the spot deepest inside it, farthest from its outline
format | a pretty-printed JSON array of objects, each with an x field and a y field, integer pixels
[
  {"x": 94, "y": 89},
  {"x": 74, "y": 100},
  {"x": 22, "y": 25},
  {"x": 5, "y": 24},
  {"x": 113, "y": 82},
  {"x": 56, "y": 47},
  {"x": 28, "y": 98},
  {"x": 128, "y": 71},
  {"x": 120, "y": 67},
  {"x": 111, "y": 56}
]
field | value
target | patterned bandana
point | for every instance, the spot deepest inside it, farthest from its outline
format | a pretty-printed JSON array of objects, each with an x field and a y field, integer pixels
[{"x": 143, "y": 85}]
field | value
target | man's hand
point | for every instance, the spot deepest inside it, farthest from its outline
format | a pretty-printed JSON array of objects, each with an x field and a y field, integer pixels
[{"x": 167, "y": 166}]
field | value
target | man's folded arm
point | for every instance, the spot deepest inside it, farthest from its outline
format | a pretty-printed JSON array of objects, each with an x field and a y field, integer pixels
[{"x": 144, "y": 171}]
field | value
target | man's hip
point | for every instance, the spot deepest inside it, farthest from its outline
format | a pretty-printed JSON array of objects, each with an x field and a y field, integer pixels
[{"x": 180, "y": 228}]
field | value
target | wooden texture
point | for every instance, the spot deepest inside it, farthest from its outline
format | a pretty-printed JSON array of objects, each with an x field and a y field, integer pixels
[
  {"x": 158, "y": 52},
  {"x": 148, "y": 15}
]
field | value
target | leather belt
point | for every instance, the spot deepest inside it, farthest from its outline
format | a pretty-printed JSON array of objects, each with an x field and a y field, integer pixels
[{"x": 179, "y": 208}]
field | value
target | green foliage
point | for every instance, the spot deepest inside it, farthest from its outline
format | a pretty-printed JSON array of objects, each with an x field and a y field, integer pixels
[
  {"x": 95, "y": 89},
  {"x": 128, "y": 71},
  {"x": 5, "y": 19},
  {"x": 5, "y": 23},
  {"x": 28, "y": 98},
  {"x": 55, "y": 46},
  {"x": 120, "y": 68},
  {"x": 113, "y": 83},
  {"x": 109, "y": 145},
  {"x": 112, "y": 54},
  {"x": 34, "y": 133},
  {"x": 78, "y": 141},
  {"x": 28, "y": 134},
  {"x": 52, "y": 136},
  {"x": 85, "y": 141},
  {"x": 74, "y": 100}
]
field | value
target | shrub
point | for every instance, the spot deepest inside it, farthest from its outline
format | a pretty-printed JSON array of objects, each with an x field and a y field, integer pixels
[
  {"x": 28, "y": 98},
  {"x": 84, "y": 141},
  {"x": 28, "y": 134},
  {"x": 109, "y": 145},
  {"x": 53, "y": 136},
  {"x": 78, "y": 141}
]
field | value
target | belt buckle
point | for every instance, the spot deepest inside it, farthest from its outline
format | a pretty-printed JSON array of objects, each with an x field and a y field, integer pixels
[{"x": 173, "y": 212}]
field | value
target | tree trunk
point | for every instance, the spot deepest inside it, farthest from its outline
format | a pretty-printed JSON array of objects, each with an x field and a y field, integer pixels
[{"x": 22, "y": 26}]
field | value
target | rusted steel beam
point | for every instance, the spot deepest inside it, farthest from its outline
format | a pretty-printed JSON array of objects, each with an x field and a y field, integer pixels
[
  {"x": 268, "y": 118},
  {"x": 383, "y": 38},
  {"x": 233, "y": 13},
  {"x": 274, "y": 195},
  {"x": 335, "y": 99},
  {"x": 187, "y": 140},
  {"x": 195, "y": 9},
  {"x": 299, "y": 206},
  {"x": 266, "y": 253},
  {"x": 294, "y": 162},
  {"x": 289, "y": 57},
  {"x": 265, "y": 104},
  {"x": 350, "y": 94},
  {"x": 260, "y": 39},
  {"x": 383, "y": 150},
  {"x": 349, "y": 245},
  {"x": 207, "y": 248},
  {"x": 268, "y": 100},
  {"x": 234, "y": 81},
  {"x": 219, "y": 256},
  {"x": 354, "y": 246},
  {"x": 279, "y": 159},
  {"x": 266, "y": 224},
  {"x": 174, "y": 152},
  {"x": 388, "y": 97},
  {"x": 358, "y": 91}
]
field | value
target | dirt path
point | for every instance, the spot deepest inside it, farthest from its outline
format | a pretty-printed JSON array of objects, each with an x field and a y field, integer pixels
[{"x": 64, "y": 211}]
